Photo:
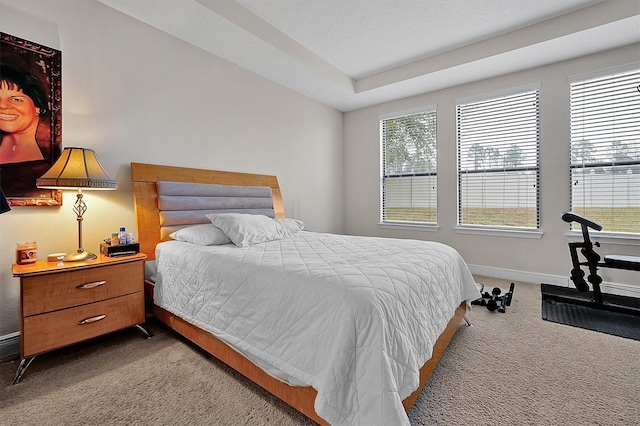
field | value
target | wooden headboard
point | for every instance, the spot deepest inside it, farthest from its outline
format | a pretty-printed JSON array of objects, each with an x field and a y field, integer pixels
[{"x": 145, "y": 194}]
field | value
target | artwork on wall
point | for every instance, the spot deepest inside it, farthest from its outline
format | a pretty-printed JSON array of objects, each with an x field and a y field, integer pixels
[{"x": 30, "y": 119}]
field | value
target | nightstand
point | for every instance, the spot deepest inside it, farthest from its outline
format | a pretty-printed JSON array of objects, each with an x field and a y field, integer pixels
[{"x": 66, "y": 303}]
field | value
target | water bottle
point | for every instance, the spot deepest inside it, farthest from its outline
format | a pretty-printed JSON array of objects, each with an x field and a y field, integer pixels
[{"x": 123, "y": 236}]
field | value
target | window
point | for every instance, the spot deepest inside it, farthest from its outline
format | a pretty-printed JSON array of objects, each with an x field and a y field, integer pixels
[
  {"x": 498, "y": 161},
  {"x": 605, "y": 149},
  {"x": 409, "y": 168}
]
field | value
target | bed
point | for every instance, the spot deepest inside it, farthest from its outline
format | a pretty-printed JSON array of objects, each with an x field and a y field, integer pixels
[{"x": 318, "y": 320}]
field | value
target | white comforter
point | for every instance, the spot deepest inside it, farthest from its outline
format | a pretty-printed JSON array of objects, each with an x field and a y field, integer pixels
[{"x": 354, "y": 317}]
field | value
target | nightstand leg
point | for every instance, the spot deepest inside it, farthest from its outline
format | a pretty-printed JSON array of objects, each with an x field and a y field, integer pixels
[
  {"x": 24, "y": 364},
  {"x": 146, "y": 332}
]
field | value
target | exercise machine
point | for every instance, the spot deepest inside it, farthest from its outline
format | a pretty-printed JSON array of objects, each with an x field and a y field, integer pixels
[
  {"x": 495, "y": 301},
  {"x": 593, "y": 259}
]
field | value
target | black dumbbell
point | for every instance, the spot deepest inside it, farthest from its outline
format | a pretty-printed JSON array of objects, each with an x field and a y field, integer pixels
[
  {"x": 492, "y": 304},
  {"x": 506, "y": 299}
]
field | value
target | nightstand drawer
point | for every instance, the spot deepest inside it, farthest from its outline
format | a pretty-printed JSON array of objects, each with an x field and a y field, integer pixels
[
  {"x": 51, "y": 292},
  {"x": 61, "y": 328}
]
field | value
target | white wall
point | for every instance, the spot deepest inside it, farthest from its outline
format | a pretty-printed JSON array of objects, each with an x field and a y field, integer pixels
[
  {"x": 548, "y": 255},
  {"x": 134, "y": 94}
]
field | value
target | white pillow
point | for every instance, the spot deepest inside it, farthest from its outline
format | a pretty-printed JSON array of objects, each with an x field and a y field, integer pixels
[
  {"x": 290, "y": 226},
  {"x": 203, "y": 235},
  {"x": 248, "y": 229}
]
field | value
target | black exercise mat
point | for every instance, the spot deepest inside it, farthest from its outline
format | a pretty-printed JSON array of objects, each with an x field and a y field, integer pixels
[{"x": 620, "y": 316}]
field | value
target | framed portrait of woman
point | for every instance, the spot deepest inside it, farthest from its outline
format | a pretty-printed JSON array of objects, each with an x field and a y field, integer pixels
[{"x": 30, "y": 119}]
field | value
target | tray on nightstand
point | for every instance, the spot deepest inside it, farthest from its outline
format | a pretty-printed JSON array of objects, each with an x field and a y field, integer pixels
[{"x": 119, "y": 250}]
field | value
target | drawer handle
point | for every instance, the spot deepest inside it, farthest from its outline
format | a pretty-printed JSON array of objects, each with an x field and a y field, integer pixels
[
  {"x": 91, "y": 285},
  {"x": 92, "y": 319}
]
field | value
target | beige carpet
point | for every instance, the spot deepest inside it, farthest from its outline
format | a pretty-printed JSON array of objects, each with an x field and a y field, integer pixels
[{"x": 509, "y": 369}]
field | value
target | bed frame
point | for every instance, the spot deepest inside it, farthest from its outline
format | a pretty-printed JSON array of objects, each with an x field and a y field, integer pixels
[{"x": 145, "y": 194}]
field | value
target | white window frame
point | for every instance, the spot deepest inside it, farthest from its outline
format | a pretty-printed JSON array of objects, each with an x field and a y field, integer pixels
[
  {"x": 617, "y": 129},
  {"x": 463, "y": 169},
  {"x": 433, "y": 200}
]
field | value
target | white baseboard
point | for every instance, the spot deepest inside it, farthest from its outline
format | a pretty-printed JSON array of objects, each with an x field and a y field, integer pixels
[
  {"x": 9, "y": 344},
  {"x": 559, "y": 280},
  {"x": 513, "y": 275}
]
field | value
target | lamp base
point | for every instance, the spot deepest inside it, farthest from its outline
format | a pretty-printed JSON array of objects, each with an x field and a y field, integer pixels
[{"x": 81, "y": 256}]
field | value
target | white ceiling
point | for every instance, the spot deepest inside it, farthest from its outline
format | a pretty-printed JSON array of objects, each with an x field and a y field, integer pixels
[{"x": 350, "y": 54}]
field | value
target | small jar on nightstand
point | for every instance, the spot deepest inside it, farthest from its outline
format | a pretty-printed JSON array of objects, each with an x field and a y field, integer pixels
[{"x": 26, "y": 253}]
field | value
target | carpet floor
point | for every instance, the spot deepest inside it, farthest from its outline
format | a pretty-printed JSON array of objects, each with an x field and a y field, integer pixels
[{"x": 508, "y": 368}]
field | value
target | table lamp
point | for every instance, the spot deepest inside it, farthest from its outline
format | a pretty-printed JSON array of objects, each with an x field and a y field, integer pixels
[{"x": 77, "y": 169}]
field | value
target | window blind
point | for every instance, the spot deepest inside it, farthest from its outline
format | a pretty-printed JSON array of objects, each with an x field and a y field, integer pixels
[
  {"x": 409, "y": 168},
  {"x": 498, "y": 161},
  {"x": 605, "y": 149}
]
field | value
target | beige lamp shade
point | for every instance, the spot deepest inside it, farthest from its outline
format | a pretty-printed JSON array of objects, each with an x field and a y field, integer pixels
[{"x": 77, "y": 168}]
